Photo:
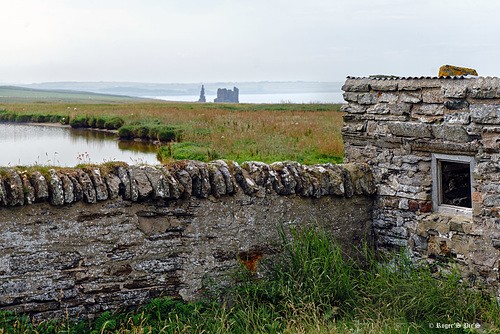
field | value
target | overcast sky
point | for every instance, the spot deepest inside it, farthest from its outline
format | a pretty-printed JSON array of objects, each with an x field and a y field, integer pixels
[{"x": 166, "y": 41}]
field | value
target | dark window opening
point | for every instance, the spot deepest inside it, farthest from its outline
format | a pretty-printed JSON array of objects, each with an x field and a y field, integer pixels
[{"x": 455, "y": 186}]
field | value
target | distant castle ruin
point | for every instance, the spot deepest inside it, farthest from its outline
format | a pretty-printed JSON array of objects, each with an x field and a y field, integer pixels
[
  {"x": 227, "y": 96},
  {"x": 202, "y": 94}
]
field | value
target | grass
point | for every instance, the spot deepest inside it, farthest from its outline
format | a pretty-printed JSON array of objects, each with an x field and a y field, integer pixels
[
  {"x": 101, "y": 122},
  {"x": 152, "y": 130},
  {"x": 12, "y": 94},
  {"x": 22, "y": 117},
  {"x": 310, "y": 287},
  {"x": 307, "y": 133}
]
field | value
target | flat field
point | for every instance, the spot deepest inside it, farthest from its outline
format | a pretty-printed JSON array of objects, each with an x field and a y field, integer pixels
[
  {"x": 307, "y": 133},
  {"x": 12, "y": 94}
]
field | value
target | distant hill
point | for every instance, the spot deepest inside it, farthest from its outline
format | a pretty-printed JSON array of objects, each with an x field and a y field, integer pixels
[
  {"x": 14, "y": 94},
  {"x": 179, "y": 89}
]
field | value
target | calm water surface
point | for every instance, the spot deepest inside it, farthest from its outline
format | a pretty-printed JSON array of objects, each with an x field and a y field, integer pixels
[
  {"x": 330, "y": 97},
  {"x": 22, "y": 144}
]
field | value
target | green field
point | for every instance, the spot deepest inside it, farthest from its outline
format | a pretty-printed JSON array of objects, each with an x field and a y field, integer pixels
[
  {"x": 12, "y": 94},
  {"x": 307, "y": 133}
]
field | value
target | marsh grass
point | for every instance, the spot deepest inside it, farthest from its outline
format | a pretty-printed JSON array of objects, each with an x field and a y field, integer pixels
[
  {"x": 307, "y": 133},
  {"x": 311, "y": 286},
  {"x": 22, "y": 117},
  {"x": 152, "y": 130},
  {"x": 108, "y": 122},
  {"x": 187, "y": 150}
]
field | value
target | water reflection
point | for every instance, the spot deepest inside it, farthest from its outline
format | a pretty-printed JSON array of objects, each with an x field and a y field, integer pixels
[
  {"x": 22, "y": 144},
  {"x": 90, "y": 136},
  {"x": 138, "y": 146}
]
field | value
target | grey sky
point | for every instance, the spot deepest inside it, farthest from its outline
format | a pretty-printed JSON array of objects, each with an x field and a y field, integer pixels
[{"x": 243, "y": 40}]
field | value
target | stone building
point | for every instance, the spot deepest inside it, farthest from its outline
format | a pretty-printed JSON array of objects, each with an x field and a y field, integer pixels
[
  {"x": 434, "y": 148},
  {"x": 227, "y": 96}
]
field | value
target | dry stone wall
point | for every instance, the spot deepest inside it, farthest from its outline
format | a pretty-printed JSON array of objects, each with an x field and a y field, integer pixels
[
  {"x": 395, "y": 125},
  {"x": 85, "y": 240}
]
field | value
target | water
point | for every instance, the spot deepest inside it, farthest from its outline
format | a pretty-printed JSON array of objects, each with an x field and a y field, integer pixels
[
  {"x": 329, "y": 97},
  {"x": 22, "y": 144}
]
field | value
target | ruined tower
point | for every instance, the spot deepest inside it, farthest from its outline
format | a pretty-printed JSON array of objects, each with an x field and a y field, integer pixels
[{"x": 202, "y": 94}]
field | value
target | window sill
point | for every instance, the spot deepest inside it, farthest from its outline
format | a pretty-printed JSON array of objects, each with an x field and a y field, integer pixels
[{"x": 454, "y": 210}]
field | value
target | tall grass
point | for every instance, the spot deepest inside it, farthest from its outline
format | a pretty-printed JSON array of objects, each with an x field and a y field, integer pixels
[
  {"x": 312, "y": 280},
  {"x": 151, "y": 129},
  {"x": 307, "y": 133},
  {"x": 267, "y": 135},
  {"x": 101, "y": 122},
  {"x": 22, "y": 117},
  {"x": 310, "y": 287}
]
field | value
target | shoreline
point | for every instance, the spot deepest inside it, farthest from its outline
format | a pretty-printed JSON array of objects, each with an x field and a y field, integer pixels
[
  {"x": 67, "y": 126},
  {"x": 59, "y": 125}
]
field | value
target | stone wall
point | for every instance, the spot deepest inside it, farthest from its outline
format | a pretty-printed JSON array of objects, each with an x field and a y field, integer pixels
[
  {"x": 82, "y": 241},
  {"x": 395, "y": 125}
]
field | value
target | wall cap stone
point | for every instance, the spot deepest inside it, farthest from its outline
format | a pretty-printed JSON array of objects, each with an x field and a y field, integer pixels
[{"x": 187, "y": 178}]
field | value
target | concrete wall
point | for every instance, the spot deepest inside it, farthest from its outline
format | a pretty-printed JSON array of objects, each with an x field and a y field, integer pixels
[
  {"x": 395, "y": 125},
  {"x": 87, "y": 240}
]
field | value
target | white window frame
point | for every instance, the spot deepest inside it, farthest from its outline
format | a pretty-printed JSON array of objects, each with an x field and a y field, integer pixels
[{"x": 437, "y": 194}]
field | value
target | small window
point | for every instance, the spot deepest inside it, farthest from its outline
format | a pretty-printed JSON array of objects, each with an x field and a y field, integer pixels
[{"x": 452, "y": 184}]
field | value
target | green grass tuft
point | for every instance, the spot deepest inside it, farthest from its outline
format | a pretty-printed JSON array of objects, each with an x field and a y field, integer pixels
[
  {"x": 151, "y": 131},
  {"x": 101, "y": 122},
  {"x": 187, "y": 151},
  {"x": 12, "y": 116}
]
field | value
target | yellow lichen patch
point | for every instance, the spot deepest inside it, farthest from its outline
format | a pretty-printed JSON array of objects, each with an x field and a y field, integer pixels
[{"x": 450, "y": 71}]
